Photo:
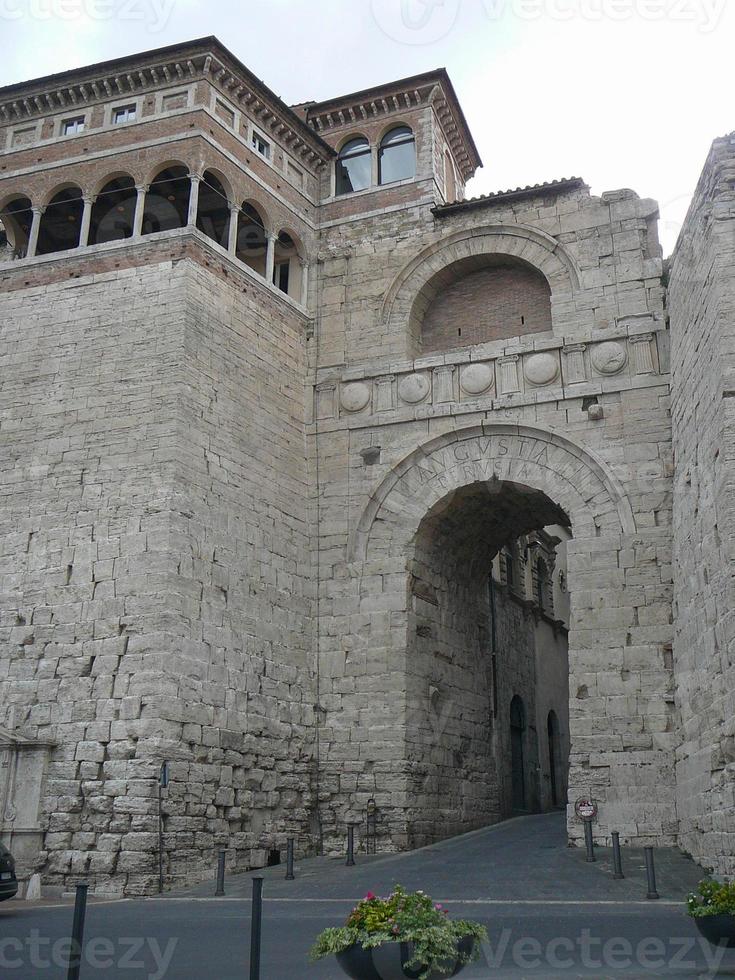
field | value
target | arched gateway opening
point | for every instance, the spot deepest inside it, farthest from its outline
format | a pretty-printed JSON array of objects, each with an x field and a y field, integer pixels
[
  {"x": 496, "y": 530},
  {"x": 483, "y": 637}
]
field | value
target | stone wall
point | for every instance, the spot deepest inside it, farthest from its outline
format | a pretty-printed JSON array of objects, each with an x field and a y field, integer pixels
[
  {"x": 155, "y": 572},
  {"x": 702, "y": 308}
]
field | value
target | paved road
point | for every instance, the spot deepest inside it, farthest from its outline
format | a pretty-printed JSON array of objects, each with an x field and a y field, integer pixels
[{"x": 549, "y": 914}]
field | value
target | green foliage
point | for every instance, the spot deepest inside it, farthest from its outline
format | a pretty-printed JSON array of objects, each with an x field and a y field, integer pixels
[
  {"x": 402, "y": 917},
  {"x": 712, "y": 898}
]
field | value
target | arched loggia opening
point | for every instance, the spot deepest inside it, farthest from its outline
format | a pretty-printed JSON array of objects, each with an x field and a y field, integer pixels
[
  {"x": 113, "y": 212},
  {"x": 61, "y": 222},
  {"x": 15, "y": 228},
  {"x": 288, "y": 266},
  {"x": 213, "y": 214},
  {"x": 167, "y": 200},
  {"x": 252, "y": 242},
  {"x": 478, "y": 636}
]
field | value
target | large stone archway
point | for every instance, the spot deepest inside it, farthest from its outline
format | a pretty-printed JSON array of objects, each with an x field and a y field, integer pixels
[{"x": 616, "y": 690}]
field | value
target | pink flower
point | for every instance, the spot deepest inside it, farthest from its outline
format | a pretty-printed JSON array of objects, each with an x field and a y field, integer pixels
[
  {"x": 370, "y": 896},
  {"x": 438, "y": 908}
]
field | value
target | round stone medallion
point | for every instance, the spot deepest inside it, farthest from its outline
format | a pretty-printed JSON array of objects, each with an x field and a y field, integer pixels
[
  {"x": 354, "y": 396},
  {"x": 477, "y": 378},
  {"x": 413, "y": 388},
  {"x": 541, "y": 369},
  {"x": 609, "y": 358}
]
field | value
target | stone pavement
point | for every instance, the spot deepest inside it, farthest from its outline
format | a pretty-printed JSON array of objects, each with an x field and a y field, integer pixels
[{"x": 548, "y": 913}]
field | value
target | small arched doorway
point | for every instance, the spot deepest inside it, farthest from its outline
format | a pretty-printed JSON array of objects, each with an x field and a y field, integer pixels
[{"x": 517, "y": 754}]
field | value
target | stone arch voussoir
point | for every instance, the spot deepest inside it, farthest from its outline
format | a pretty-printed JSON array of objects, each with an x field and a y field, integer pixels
[{"x": 571, "y": 476}]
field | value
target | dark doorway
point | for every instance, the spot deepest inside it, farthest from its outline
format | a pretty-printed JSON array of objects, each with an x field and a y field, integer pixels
[
  {"x": 517, "y": 738},
  {"x": 552, "y": 731}
]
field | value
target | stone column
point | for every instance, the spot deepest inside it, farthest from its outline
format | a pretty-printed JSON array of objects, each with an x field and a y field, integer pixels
[
  {"x": 375, "y": 166},
  {"x": 232, "y": 234},
  {"x": 444, "y": 384},
  {"x": 33, "y": 234},
  {"x": 304, "y": 282},
  {"x": 193, "y": 200},
  {"x": 384, "y": 393},
  {"x": 509, "y": 374},
  {"x": 574, "y": 371},
  {"x": 270, "y": 258},
  {"x": 141, "y": 191},
  {"x": 641, "y": 346},
  {"x": 86, "y": 221}
]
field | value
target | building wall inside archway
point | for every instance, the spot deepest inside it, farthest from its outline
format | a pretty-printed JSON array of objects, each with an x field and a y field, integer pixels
[
  {"x": 481, "y": 299},
  {"x": 473, "y": 646}
]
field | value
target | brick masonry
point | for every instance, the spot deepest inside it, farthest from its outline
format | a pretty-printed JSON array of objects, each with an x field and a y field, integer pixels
[{"x": 250, "y": 533}]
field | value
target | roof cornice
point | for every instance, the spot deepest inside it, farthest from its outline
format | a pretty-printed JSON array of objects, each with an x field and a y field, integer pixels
[
  {"x": 431, "y": 88},
  {"x": 181, "y": 63}
]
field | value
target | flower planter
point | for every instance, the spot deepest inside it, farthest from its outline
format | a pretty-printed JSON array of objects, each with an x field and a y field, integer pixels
[
  {"x": 386, "y": 962},
  {"x": 717, "y": 929}
]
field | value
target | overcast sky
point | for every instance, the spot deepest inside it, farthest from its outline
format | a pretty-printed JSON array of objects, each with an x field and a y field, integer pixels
[{"x": 625, "y": 93}]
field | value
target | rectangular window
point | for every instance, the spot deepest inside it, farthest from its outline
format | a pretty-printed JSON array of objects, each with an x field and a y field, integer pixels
[
  {"x": 124, "y": 114},
  {"x": 71, "y": 126},
  {"x": 261, "y": 145}
]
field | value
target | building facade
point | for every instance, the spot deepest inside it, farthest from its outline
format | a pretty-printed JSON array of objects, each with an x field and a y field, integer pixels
[{"x": 281, "y": 414}]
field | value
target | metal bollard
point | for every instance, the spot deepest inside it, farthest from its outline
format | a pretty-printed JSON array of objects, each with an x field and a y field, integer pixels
[
  {"x": 617, "y": 857},
  {"x": 350, "y": 846},
  {"x": 289, "y": 859},
  {"x": 77, "y": 932},
  {"x": 220, "y": 890},
  {"x": 651, "y": 874},
  {"x": 589, "y": 841},
  {"x": 256, "y": 924}
]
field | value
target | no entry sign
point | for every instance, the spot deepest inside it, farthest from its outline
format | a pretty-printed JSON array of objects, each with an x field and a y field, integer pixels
[{"x": 585, "y": 809}]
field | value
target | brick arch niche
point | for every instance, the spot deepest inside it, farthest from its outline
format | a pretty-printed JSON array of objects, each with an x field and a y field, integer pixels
[{"x": 479, "y": 299}]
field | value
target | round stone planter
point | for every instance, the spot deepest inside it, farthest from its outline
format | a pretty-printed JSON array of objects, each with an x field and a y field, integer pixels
[
  {"x": 386, "y": 962},
  {"x": 717, "y": 929}
]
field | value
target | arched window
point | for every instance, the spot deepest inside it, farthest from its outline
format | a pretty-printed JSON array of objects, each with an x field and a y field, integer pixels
[
  {"x": 397, "y": 157},
  {"x": 252, "y": 245},
  {"x": 15, "y": 227},
  {"x": 113, "y": 212},
  {"x": 354, "y": 166},
  {"x": 213, "y": 214},
  {"x": 167, "y": 201},
  {"x": 61, "y": 222}
]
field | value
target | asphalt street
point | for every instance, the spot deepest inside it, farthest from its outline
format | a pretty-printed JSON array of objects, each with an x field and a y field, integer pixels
[{"x": 548, "y": 913}]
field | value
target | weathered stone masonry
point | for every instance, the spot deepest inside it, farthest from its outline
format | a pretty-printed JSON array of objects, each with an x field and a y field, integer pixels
[{"x": 263, "y": 443}]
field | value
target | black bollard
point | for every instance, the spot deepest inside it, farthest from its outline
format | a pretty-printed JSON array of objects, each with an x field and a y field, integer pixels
[
  {"x": 77, "y": 932},
  {"x": 589, "y": 841},
  {"x": 289, "y": 859},
  {"x": 617, "y": 857},
  {"x": 651, "y": 874},
  {"x": 350, "y": 846},
  {"x": 256, "y": 924},
  {"x": 220, "y": 890}
]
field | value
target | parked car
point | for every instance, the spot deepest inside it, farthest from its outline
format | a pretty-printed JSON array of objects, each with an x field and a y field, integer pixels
[{"x": 8, "y": 881}]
